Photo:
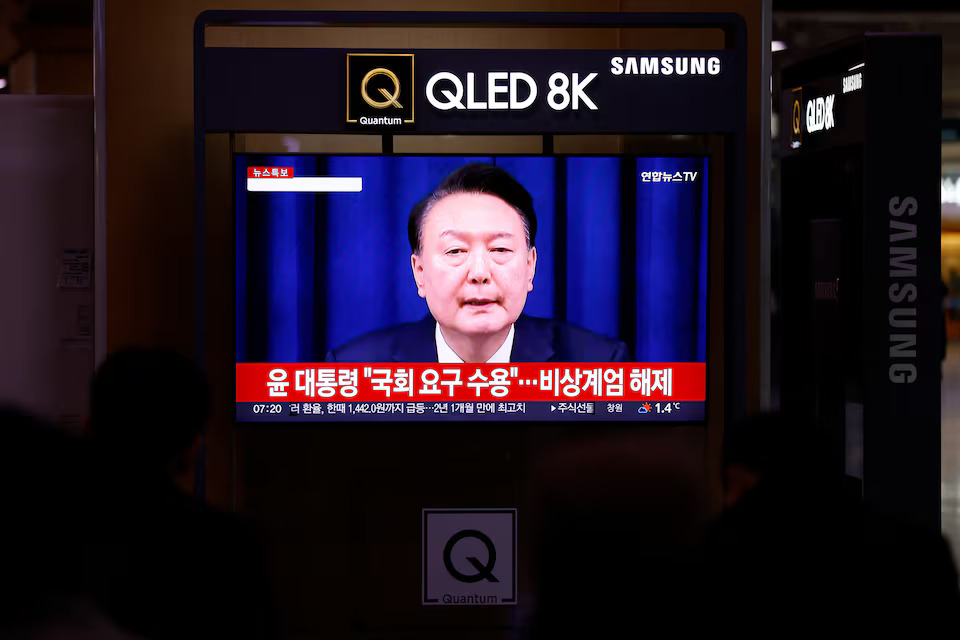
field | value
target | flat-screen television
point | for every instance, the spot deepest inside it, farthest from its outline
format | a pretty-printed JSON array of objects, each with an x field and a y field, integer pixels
[{"x": 454, "y": 288}]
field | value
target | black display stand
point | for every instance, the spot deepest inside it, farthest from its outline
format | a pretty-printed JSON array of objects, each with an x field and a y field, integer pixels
[
  {"x": 862, "y": 332},
  {"x": 302, "y": 91}
]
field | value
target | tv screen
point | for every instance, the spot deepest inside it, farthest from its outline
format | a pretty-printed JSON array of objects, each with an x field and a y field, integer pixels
[{"x": 452, "y": 288}]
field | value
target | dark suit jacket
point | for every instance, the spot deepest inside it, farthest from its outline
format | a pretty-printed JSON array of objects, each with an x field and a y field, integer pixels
[{"x": 534, "y": 340}]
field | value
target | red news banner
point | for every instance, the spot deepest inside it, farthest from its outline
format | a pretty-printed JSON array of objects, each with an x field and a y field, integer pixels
[
  {"x": 522, "y": 382},
  {"x": 269, "y": 172}
]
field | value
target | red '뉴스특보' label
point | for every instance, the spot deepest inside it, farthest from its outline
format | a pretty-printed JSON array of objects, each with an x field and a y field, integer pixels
[{"x": 269, "y": 172}]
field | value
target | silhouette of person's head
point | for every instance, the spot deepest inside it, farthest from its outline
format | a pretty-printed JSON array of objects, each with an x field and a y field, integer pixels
[
  {"x": 149, "y": 404},
  {"x": 777, "y": 448}
]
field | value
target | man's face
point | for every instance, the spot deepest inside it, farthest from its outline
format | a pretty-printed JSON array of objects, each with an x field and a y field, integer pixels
[{"x": 474, "y": 269}]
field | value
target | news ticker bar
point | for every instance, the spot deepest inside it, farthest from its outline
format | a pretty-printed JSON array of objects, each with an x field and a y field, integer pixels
[
  {"x": 517, "y": 382},
  {"x": 637, "y": 412},
  {"x": 320, "y": 184}
]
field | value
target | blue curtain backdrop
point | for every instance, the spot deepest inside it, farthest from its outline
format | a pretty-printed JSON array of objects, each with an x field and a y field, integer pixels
[{"x": 616, "y": 255}]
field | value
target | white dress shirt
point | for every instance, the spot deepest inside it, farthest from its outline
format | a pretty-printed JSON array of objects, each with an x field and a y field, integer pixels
[{"x": 446, "y": 355}]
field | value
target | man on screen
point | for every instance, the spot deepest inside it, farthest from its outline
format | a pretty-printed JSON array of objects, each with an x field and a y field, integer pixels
[{"x": 474, "y": 262}]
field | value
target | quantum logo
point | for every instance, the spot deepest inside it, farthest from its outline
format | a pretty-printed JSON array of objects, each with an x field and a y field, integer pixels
[
  {"x": 380, "y": 89},
  {"x": 796, "y": 119},
  {"x": 391, "y": 97}
]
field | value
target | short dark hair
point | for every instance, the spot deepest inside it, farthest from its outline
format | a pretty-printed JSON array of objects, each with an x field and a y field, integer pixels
[
  {"x": 772, "y": 442},
  {"x": 149, "y": 402},
  {"x": 476, "y": 177}
]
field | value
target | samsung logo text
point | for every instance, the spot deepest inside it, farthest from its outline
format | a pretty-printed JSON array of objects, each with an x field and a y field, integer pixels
[{"x": 679, "y": 65}]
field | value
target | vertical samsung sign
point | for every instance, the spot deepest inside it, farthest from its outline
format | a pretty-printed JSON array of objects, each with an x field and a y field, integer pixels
[
  {"x": 903, "y": 292},
  {"x": 902, "y": 316}
]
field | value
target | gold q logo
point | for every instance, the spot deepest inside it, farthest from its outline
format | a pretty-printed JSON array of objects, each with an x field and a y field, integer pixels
[
  {"x": 391, "y": 99},
  {"x": 796, "y": 117}
]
